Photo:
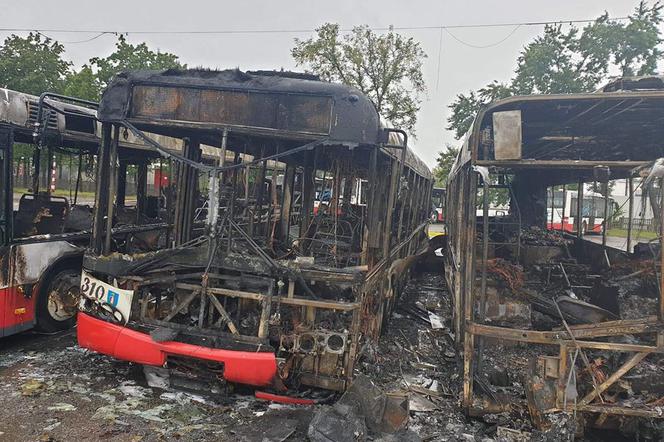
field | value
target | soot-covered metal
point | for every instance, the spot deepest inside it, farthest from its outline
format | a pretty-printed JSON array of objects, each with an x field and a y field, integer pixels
[
  {"x": 283, "y": 214},
  {"x": 531, "y": 293}
]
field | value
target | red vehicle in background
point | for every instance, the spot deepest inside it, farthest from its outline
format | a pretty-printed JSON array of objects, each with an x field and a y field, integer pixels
[{"x": 562, "y": 212}]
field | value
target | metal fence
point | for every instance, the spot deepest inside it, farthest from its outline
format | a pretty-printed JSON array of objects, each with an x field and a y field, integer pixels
[{"x": 647, "y": 224}]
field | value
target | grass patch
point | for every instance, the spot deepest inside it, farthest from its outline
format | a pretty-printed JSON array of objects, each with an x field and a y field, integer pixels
[
  {"x": 640, "y": 234},
  {"x": 58, "y": 192}
]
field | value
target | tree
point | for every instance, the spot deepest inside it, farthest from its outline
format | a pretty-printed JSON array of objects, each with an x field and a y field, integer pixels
[
  {"x": 386, "y": 68},
  {"x": 32, "y": 64},
  {"x": 573, "y": 60},
  {"x": 82, "y": 84},
  {"x": 444, "y": 164},
  {"x": 637, "y": 42},
  {"x": 466, "y": 106},
  {"x": 131, "y": 57}
]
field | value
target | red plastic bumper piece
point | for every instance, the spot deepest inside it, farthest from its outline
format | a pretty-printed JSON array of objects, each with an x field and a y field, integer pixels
[
  {"x": 283, "y": 399},
  {"x": 242, "y": 367}
]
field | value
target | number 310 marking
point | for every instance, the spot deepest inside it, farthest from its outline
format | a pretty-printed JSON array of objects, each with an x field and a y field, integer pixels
[{"x": 91, "y": 289}]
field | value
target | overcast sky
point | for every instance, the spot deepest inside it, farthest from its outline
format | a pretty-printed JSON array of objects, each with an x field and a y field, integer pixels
[{"x": 461, "y": 67}]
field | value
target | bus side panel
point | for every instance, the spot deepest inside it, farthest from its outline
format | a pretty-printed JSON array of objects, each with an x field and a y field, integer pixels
[
  {"x": 19, "y": 311},
  {"x": 28, "y": 264}
]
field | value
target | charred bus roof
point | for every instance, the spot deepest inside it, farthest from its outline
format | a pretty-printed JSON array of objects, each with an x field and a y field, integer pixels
[
  {"x": 67, "y": 124},
  {"x": 254, "y": 104},
  {"x": 620, "y": 129},
  {"x": 285, "y": 108},
  {"x": 73, "y": 126}
]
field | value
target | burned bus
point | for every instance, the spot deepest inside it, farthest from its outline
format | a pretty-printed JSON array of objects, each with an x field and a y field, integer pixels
[
  {"x": 45, "y": 217},
  {"x": 250, "y": 284},
  {"x": 40, "y": 233},
  {"x": 568, "y": 322}
]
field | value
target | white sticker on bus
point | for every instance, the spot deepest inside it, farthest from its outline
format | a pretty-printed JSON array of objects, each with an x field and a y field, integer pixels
[{"x": 110, "y": 297}]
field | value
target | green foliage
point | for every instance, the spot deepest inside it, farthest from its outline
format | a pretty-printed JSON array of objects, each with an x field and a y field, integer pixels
[
  {"x": 466, "y": 105},
  {"x": 637, "y": 42},
  {"x": 83, "y": 84},
  {"x": 573, "y": 60},
  {"x": 387, "y": 68},
  {"x": 22, "y": 150},
  {"x": 444, "y": 164},
  {"x": 131, "y": 57},
  {"x": 32, "y": 64}
]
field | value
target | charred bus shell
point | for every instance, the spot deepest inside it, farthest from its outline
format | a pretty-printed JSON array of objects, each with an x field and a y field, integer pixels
[
  {"x": 532, "y": 281},
  {"x": 291, "y": 218}
]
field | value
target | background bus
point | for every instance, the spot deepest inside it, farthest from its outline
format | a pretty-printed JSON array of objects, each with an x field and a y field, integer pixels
[
  {"x": 564, "y": 210},
  {"x": 437, "y": 201},
  {"x": 42, "y": 234},
  {"x": 47, "y": 196}
]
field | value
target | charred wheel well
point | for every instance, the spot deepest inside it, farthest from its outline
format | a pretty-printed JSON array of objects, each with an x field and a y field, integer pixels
[{"x": 69, "y": 261}]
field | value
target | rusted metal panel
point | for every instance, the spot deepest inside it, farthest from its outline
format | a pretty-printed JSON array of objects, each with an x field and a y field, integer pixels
[
  {"x": 254, "y": 102},
  {"x": 289, "y": 112}
]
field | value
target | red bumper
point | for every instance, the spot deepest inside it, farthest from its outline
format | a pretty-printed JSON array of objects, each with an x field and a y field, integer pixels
[{"x": 242, "y": 367}]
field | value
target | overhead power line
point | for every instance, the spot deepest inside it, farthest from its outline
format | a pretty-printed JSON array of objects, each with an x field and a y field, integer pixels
[
  {"x": 73, "y": 42},
  {"x": 101, "y": 32},
  {"x": 491, "y": 45}
]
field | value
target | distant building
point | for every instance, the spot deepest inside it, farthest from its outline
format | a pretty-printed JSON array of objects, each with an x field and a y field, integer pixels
[{"x": 620, "y": 195}]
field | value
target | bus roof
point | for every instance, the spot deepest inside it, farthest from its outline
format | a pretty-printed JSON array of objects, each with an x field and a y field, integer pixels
[
  {"x": 71, "y": 125},
  {"x": 277, "y": 105},
  {"x": 618, "y": 127},
  {"x": 291, "y": 107}
]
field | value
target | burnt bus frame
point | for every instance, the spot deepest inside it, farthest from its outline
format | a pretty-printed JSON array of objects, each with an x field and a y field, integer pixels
[
  {"x": 384, "y": 151},
  {"x": 466, "y": 257}
]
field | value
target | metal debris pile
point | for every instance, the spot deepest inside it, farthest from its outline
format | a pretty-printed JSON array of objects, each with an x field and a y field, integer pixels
[
  {"x": 405, "y": 388},
  {"x": 554, "y": 284},
  {"x": 417, "y": 358},
  {"x": 509, "y": 274},
  {"x": 53, "y": 390},
  {"x": 537, "y": 236}
]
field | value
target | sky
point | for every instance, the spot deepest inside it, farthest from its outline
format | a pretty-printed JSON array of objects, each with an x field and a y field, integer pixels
[{"x": 452, "y": 66}]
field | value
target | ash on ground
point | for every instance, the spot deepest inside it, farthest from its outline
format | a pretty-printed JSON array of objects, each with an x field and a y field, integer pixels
[{"x": 53, "y": 390}]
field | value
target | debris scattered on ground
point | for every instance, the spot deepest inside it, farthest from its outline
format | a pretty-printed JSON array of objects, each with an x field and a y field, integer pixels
[
  {"x": 32, "y": 387},
  {"x": 406, "y": 388},
  {"x": 61, "y": 406}
]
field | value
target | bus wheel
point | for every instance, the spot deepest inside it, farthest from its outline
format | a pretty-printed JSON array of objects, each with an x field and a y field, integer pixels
[{"x": 57, "y": 305}]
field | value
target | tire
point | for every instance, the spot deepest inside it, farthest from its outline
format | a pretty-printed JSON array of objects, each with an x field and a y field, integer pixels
[
  {"x": 434, "y": 217},
  {"x": 58, "y": 301}
]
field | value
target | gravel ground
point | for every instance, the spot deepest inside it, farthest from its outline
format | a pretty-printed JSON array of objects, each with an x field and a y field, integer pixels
[{"x": 52, "y": 390}]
